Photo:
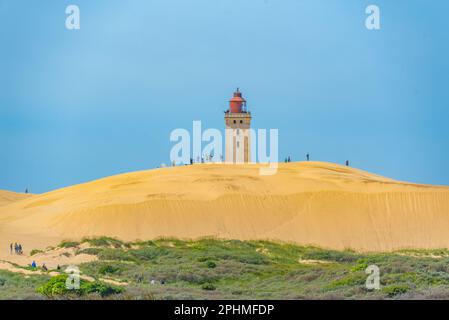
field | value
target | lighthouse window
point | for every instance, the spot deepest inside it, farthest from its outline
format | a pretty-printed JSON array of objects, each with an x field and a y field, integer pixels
[
  {"x": 235, "y": 121},
  {"x": 241, "y": 121}
]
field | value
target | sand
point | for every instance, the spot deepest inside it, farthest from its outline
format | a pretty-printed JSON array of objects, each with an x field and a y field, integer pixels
[
  {"x": 7, "y": 197},
  {"x": 314, "y": 203}
]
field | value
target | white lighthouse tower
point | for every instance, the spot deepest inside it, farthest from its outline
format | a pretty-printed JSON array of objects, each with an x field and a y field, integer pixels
[{"x": 238, "y": 124}]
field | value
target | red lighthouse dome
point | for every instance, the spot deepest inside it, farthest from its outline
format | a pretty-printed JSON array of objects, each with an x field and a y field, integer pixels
[{"x": 237, "y": 104}]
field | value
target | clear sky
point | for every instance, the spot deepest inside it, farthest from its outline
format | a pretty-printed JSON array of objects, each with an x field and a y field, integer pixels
[{"x": 80, "y": 105}]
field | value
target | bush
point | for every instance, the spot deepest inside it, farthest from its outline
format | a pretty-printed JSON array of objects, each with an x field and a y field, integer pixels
[
  {"x": 395, "y": 290},
  {"x": 208, "y": 286},
  {"x": 68, "y": 244},
  {"x": 56, "y": 286},
  {"x": 100, "y": 288},
  {"x": 148, "y": 253},
  {"x": 90, "y": 251},
  {"x": 210, "y": 264},
  {"x": 109, "y": 269},
  {"x": 104, "y": 242},
  {"x": 115, "y": 254},
  {"x": 328, "y": 255},
  {"x": 203, "y": 259},
  {"x": 35, "y": 251},
  {"x": 361, "y": 265}
]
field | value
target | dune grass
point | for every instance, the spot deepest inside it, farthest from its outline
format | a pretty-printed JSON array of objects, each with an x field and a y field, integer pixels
[{"x": 232, "y": 269}]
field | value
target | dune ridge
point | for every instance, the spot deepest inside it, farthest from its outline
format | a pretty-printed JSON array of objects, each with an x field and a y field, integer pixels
[
  {"x": 7, "y": 197},
  {"x": 314, "y": 203}
]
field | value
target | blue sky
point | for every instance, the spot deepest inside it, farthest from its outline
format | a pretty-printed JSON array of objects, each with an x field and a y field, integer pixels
[{"x": 80, "y": 105}]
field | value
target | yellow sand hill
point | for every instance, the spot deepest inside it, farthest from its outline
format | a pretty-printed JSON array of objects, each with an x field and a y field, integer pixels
[
  {"x": 308, "y": 203},
  {"x": 7, "y": 197}
]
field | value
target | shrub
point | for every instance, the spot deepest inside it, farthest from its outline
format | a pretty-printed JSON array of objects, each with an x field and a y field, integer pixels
[
  {"x": 109, "y": 269},
  {"x": 104, "y": 242},
  {"x": 208, "y": 286},
  {"x": 35, "y": 251},
  {"x": 115, "y": 254},
  {"x": 56, "y": 286},
  {"x": 338, "y": 256},
  {"x": 148, "y": 253},
  {"x": 68, "y": 244},
  {"x": 203, "y": 259},
  {"x": 361, "y": 265},
  {"x": 395, "y": 290},
  {"x": 196, "y": 277},
  {"x": 90, "y": 251},
  {"x": 210, "y": 264},
  {"x": 100, "y": 288}
]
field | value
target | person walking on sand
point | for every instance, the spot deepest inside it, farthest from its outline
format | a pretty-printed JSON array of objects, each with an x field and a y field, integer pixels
[
  {"x": 33, "y": 264},
  {"x": 308, "y": 157},
  {"x": 44, "y": 267},
  {"x": 10, "y": 248},
  {"x": 16, "y": 248}
]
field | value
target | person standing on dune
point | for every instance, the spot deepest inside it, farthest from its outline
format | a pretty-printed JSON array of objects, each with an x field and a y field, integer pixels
[{"x": 10, "y": 248}]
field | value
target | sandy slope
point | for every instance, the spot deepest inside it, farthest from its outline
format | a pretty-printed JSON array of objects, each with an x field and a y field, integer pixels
[
  {"x": 7, "y": 197},
  {"x": 308, "y": 202}
]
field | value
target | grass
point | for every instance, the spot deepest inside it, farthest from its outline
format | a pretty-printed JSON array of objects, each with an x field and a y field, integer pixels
[
  {"x": 105, "y": 242},
  {"x": 35, "y": 251},
  {"x": 16, "y": 286},
  {"x": 231, "y": 269},
  {"x": 69, "y": 244}
]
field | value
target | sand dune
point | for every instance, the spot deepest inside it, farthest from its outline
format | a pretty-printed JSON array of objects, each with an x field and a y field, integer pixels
[
  {"x": 7, "y": 197},
  {"x": 315, "y": 203}
]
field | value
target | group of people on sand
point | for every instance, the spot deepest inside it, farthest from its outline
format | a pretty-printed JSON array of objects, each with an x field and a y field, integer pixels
[{"x": 17, "y": 247}]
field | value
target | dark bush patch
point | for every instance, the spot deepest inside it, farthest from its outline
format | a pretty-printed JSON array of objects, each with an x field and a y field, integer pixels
[
  {"x": 56, "y": 286},
  {"x": 208, "y": 286},
  {"x": 395, "y": 290},
  {"x": 105, "y": 242},
  {"x": 69, "y": 244},
  {"x": 109, "y": 269}
]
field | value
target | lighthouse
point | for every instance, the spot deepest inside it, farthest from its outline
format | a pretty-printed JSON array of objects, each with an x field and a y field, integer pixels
[{"x": 238, "y": 124}]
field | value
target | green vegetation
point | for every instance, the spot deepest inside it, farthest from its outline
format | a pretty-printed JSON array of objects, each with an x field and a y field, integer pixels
[
  {"x": 56, "y": 288},
  {"x": 17, "y": 286},
  {"x": 231, "y": 269},
  {"x": 105, "y": 242},
  {"x": 35, "y": 251},
  {"x": 69, "y": 244}
]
